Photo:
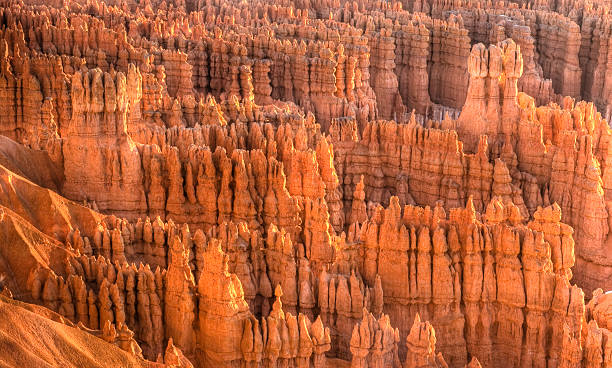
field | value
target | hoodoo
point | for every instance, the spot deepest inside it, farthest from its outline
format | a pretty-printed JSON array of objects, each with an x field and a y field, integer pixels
[{"x": 298, "y": 183}]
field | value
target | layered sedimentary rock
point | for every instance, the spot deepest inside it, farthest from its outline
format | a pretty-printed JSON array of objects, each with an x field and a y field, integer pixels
[
  {"x": 383, "y": 79},
  {"x": 530, "y": 146},
  {"x": 302, "y": 183},
  {"x": 426, "y": 267}
]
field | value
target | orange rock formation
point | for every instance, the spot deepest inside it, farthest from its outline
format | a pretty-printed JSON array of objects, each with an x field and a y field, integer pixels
[{"x": 221, "y": 183}]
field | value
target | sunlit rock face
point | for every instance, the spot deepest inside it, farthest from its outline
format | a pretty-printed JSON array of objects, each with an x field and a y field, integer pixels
[{"x": 223, "y": 183}]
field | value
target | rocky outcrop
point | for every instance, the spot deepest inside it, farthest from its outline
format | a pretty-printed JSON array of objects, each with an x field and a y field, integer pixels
[
  {"x": 374, "y": 343},
  {"x": 382, "y": 77},
  {"x": 449, "y": 77},
  {"x": 486, "y": 94},
  {"x": 283, "y": 339},
  {"x": 407, "y": 248},
  {"x": 427, "y": 164},
  {"x": 245, "y": 204},
  {"x": 180, "y": 299},
  {"x": 558, "y": 43},
  {"x": 222, "y": 310}
]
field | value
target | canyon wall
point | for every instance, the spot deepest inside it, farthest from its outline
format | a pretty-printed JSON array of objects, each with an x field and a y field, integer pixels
[{"x": 309, "y": 183}]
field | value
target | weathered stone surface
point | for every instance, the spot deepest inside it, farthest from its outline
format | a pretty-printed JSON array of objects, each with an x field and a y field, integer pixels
[{"x": 330, "y": 183}]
